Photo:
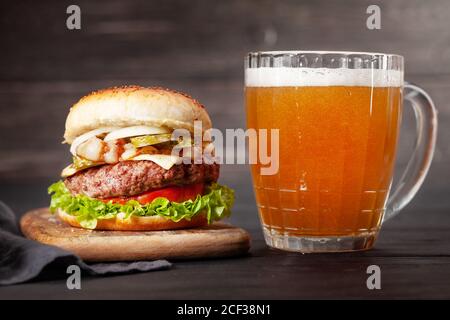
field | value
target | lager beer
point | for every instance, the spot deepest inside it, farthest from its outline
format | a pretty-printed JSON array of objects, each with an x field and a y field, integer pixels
[{"x": 338, "y": 132}]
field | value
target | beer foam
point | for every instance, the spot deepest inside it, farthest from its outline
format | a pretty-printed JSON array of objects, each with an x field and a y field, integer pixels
[{"x": 322, "y": 77}]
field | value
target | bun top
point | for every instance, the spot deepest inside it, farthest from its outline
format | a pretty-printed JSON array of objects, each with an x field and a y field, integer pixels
[{"x": 132, "y": 106}]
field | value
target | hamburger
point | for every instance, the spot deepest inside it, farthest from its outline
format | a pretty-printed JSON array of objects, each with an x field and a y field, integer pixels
[{"x": 124, "y": 174}]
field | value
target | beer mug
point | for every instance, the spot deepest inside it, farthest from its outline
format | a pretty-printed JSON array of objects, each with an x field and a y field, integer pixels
[{"x": 338, "y": 118}]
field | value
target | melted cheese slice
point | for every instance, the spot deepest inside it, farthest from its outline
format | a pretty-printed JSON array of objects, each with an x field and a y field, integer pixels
[
  {"x": 69, "y": 171},
  {"x": 162, "y": 160}
]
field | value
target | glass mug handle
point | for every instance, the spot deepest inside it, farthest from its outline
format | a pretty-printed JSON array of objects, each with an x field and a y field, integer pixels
[{"x": 417, "y": 167}]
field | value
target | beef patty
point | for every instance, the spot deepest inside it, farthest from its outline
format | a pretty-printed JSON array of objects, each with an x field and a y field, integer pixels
[{"x": 128, "y": 178}]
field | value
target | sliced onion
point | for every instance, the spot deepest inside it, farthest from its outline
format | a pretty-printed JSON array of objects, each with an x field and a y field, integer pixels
[
  {"x": 79, "y": 140},
  {"x": 133, "y": 132}
]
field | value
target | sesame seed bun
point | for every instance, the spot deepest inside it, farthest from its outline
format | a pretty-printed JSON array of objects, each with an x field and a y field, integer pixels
[{"x": 132, "y": 106}]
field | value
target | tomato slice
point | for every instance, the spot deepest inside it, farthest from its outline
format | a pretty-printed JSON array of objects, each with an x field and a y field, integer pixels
[{"x": 175, "y": 194}]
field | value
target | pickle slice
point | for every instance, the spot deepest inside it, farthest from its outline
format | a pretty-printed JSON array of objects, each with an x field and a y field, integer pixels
[
  {"x": 81, "y": 163},
  {"x": 78, "y": 165},
  {"x": 143, "y": 141}
]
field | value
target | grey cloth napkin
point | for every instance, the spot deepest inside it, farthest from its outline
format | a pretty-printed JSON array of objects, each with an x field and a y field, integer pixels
[{"x": 23, "y": 260}]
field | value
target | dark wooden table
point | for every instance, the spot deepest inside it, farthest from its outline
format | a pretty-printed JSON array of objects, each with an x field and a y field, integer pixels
[{"x": 413, "y": 253}]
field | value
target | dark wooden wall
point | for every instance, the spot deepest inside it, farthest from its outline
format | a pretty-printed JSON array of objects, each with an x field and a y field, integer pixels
[{"x": 195, "y": 46}]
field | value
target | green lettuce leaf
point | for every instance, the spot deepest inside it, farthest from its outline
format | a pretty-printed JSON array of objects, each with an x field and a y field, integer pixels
[{"x": 216, "y": 204}]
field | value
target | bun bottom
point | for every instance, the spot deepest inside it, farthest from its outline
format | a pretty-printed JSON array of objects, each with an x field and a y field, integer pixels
[{"x": 135, "y": 223}]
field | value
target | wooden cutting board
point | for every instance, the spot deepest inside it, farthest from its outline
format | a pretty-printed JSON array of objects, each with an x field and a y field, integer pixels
[{"x": 216, "y": 240}]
